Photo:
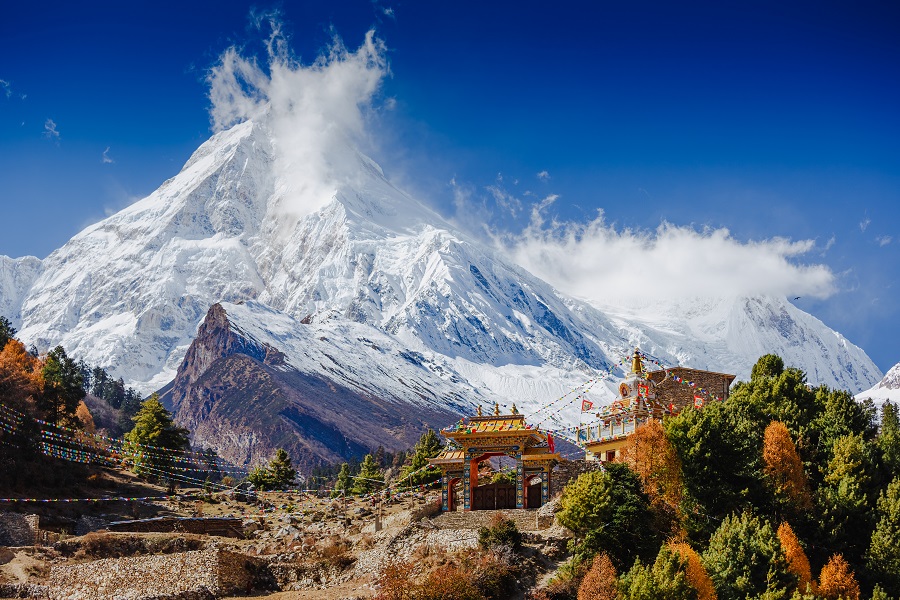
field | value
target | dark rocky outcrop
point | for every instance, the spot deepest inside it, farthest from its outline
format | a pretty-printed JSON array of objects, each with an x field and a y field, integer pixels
[{"x": 242, "y": 399}]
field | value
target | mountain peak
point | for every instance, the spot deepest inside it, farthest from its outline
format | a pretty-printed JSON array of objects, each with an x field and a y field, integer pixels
[{"x": 317, "y": 234}]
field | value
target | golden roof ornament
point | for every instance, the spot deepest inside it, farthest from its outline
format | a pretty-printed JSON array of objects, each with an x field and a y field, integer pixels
[
  {"x": 637, "y": 366},
  {"x": 515, "y": 410},
  {"x": 496, "y": 409},
  {"x": 478, "y": 411}
]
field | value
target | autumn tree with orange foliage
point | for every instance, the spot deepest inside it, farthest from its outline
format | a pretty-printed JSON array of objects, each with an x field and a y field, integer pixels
[
  {"x": 837, "y": 581},
  {"x": 798, "y": 564},
  {"x": 695, "y": 571},
  {"x": 20, "y": 377},
  {"x": 783, "y": 466},
  {"x": 649, "y": 453},
  {"x": 600, "y": 582}
]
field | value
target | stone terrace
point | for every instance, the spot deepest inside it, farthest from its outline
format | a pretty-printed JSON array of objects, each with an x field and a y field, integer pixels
[{"x": 184, "y": 576}]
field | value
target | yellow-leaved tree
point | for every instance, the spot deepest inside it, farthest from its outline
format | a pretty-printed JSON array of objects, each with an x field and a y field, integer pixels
[
  {"x": 798, "y": 564},
  {"x": 783, "y": 466}
]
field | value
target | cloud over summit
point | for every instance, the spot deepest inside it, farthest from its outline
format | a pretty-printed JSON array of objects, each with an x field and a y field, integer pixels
[
  {"x": 599, "y": 262},
  {"x": 316, "y": 113}
]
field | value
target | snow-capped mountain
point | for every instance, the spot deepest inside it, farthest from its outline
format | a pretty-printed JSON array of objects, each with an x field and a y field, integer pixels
[
  {"x": 369, "y": 262},
  {"x": 888, "y": 389}
]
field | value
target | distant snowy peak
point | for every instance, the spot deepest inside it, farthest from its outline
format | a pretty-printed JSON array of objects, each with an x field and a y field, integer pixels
[
  {"x": 729, "y": 334},
  {"x": 891, "y": 379},
  {"x": 886, "y": 389}
]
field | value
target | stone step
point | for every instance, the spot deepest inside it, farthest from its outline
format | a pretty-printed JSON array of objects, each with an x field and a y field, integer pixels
[{"x": 525, "y": 519}]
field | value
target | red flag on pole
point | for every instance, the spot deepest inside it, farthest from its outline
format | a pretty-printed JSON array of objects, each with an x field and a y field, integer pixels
[
  {"x": 698, "y": 401},
  {"x": 586, "y": 405},
  {"x": 550, "y": 443}
]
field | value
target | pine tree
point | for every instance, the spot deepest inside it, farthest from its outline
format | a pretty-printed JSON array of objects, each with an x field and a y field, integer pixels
[
  {"x": 720, "y": 452},
  {"x": 784, "y": 468},
  {"x": 369, "y": 476},
  {"x": 798, "y": 564},
  {"x": 281, "y": 471},
  {"x": 155, "y": 441},
  {"x": 343, "y": 483},
  {"x": 277, "y": 475},
  {"x": 843, "y": 498},
  {"x": 745, "y": 559},
  {"x": 63, "y": 388},
  {"x": 889, "y": 440},
  {"x": 7, "y": 332},
  {"x": 837, "y": 581},
  {"x": 665, "y": 579},
  {"x": 428, "y": 446},
  {"x": 609, "y": 512},
  {"x": 600, "y": 582},
  {"x": 884, "y": 551},
  {"x": 769, "y": 365}
]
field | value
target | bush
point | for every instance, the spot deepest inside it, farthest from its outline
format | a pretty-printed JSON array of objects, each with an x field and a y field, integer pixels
[
  {"x": 449, "y": 581},
  {"x": 395, "y": 582},
  {"x": 501, "y": 532}
]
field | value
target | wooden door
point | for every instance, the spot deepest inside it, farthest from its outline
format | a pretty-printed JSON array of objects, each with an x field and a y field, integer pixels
[{"x": 534, "y": 495}]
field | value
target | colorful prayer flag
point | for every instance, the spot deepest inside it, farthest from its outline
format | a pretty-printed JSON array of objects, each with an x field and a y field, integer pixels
[{"x": 586, "y": 405}]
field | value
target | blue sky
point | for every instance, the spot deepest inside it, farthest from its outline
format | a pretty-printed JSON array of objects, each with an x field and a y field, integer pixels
[{"x": 770, "y": 119}]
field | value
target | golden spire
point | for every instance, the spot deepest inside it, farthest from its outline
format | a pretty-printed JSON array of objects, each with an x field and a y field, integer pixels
[
  {"x": 637, "y": 367},
  {"x": 496, "y": 409},
  {"x": 478, "y": 410},
  {"x": 515, "y": 410}
]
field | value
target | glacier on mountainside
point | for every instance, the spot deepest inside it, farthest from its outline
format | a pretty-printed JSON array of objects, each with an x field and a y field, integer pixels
[
  {"x": 16, "y": 278},
  {"x": 128, "y": 292}
]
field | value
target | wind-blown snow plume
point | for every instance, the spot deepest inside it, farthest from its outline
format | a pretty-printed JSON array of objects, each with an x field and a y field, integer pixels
[
  {"x": 596, "y": 261},
  {"x": 316, "y": 113}
]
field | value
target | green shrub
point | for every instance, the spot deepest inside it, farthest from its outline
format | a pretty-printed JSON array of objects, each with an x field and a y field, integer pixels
[{"x": 501, "y": 532}]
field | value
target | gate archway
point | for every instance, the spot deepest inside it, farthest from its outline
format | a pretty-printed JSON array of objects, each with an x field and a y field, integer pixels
[{"x": 479, "y": 438}]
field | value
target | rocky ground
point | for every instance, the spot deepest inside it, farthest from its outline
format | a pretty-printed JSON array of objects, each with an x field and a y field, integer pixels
[{"x": 309, "y": 546}]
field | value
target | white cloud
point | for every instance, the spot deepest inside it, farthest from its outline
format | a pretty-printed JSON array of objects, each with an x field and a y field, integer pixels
[
  {"x": 864, "y": 224},
  {"x": 828, "y": 245},
  {"x": 50, "y": 130},
  {"x": 599, "y": 262},
  {"x": 544, "y": 176},
  {"x": 884, "y": 240},
  {"x": 505, "y": 200},
  {"x": 105, "y": 159},
  {"x": 5, "y": 88},
  {"x": 315, "y": 113}
]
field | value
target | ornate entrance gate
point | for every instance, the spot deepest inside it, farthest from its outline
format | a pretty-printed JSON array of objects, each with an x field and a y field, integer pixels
[
  {"x": 479, "y": 438},
  {"x": 494, "y": 496}
]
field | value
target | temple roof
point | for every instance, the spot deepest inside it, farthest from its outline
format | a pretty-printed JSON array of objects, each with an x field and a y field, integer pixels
[
  {"x": 493, "y": 424},
  {"x": 457, "y": 456}
]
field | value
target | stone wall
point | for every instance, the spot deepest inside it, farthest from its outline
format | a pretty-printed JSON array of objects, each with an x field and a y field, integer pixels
[
  {"x": 669, "y": 391},
  {"x": 183, "y": 576},
  {"x": 568, "y": 470},
  {"x": 23, "y": 590},
  {"x": 222, "y": 526},
  {"x": 18, "y": 530}
]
